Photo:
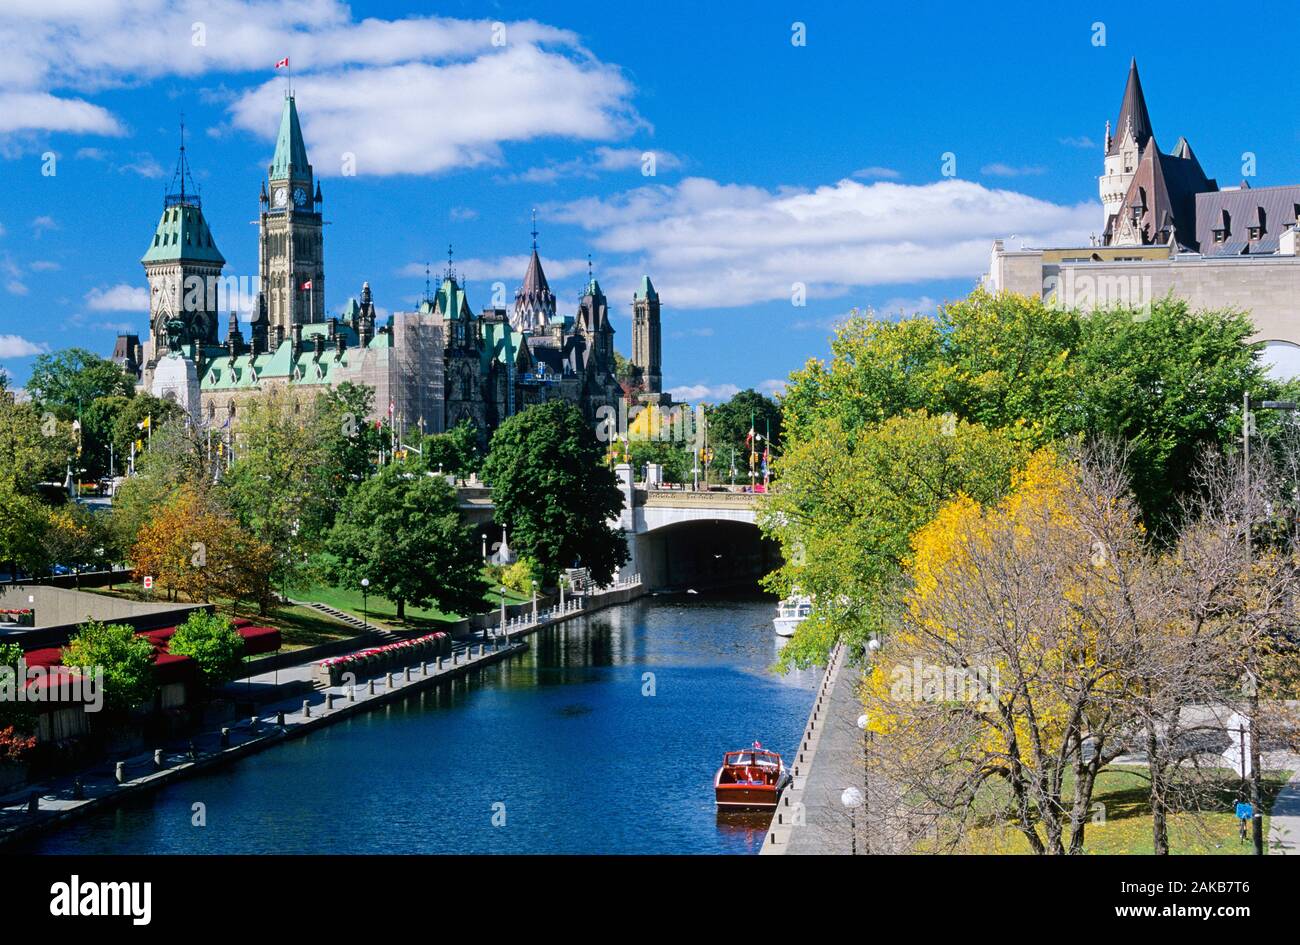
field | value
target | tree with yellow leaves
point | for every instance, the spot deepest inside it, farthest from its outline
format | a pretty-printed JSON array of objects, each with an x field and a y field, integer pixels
[
  {"x": 1005, "y": 688},
  {"x": 191, "y": 547}
]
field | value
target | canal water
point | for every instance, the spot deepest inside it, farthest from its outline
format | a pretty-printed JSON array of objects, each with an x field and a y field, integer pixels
[{"x": 602, "y": 738}]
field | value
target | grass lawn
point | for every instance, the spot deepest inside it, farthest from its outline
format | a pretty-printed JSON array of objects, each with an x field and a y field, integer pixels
[
  {"x": 386, "y": 611},
  {"x": 299, "y": 626},
  {"x": 1127, "y": 825}
]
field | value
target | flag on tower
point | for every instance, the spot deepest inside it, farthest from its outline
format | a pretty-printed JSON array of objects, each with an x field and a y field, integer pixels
[
  {"x": 306, "y": 286},
  {"x": 283, "y": 63}
]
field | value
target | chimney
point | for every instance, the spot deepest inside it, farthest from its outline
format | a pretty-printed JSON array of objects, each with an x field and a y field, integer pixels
[
  {"x": 296, "y": 350},
  {"x": 318, "y": 343}
]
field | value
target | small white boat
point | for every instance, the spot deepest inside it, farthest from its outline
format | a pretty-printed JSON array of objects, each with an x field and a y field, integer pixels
[{"x": 790, "y": 613}]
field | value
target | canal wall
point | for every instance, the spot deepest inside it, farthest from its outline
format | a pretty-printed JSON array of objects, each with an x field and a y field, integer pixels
[
  {"x": 52, "y": 805},
  {"x": 811, "y": 818}
]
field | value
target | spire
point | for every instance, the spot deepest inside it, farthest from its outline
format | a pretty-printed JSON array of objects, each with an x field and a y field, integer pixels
[
  {"x": 290, "y": 152},
  {"x": 1132, "y": 113},
  {"x": 534, "y": 231},
  {"x": 177, "y": 194},
  {"x": 647, "y": 290},
  {"x": 450, "y": 273}
]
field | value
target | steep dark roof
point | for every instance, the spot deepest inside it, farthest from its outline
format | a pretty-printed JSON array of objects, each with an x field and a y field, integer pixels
[
  {"x": 1134, "y": 106},
  {"x": 1272, "y": 208},
  {"x": 1164, "y": 187}
]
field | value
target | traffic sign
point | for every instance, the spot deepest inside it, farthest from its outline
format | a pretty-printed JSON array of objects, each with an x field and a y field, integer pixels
[{"x": 1245, "y": 810}]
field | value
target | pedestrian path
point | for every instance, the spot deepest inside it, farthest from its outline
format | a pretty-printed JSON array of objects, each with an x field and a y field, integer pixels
[{"x": 1284, "y": 818}]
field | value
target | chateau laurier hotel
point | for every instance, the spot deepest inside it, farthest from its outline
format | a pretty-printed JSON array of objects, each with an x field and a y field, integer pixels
[
  {"x": 430, "y": 368},
  {"x": 1168, "y": 228}
]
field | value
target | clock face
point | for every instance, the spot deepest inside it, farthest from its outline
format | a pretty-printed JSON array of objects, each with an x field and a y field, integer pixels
[
  {"x": 281, "y": 196},
  {"x": 299, "y": 196}
]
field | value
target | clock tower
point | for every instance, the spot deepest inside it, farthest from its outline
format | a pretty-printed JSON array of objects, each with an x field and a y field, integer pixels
[{"x": 291, "y": 256}]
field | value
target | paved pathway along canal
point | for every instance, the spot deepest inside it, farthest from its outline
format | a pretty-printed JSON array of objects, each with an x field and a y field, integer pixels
[{"x": 561, "y": 735}]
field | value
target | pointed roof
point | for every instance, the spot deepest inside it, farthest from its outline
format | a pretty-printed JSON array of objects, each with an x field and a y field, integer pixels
[
  {"x": 535, "y": 278},
  {"x": 182, "y": 235},
  {"x": 593, "y": 289},
  {"x": 647, "y": 290},
  {"x": 290, "y": 152},
  {"x": 451, "y": 301},
  {"x": 1132, "y": 108}
]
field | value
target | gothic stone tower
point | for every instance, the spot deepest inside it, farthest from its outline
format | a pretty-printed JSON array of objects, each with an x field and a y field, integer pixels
[
  {"x": 291, "y": 252},
  {"x": 1125, "y": 147},
  {"x": 183, "y": 266},
  {"x": 646, "y": 346}
]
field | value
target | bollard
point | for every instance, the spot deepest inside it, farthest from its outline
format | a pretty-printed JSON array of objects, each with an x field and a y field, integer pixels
[
  {"x": 424, "y": 668},
  {"x": 279, "y": 718},
  {"x": 306, "y": 709},
  {"x": 78, "y": 790},
  {"x": 119, "y": 772},
  {"x": 480, "y": 651},
  {"x": 352, "y": 693},
  {"x": 194, "y": 751},
  {"x": 252, "y": 723},
  {"x": 225, "y": 738},
  {"x": 406, "y": 674},
  {"x": 34, "y": 804},
  {"x": 440, "y": 664},
  {"x": 157, "y": 758},
  {"x": 329, "y": 702},
  {"x": 388, "y": 679},
  {"x": 372, "y": 687}
]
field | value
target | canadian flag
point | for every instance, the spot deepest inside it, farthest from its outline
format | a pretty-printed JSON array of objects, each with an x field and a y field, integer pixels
[
  {"x": 283, "y": 63},
  {"x": 306, "y": 286}
]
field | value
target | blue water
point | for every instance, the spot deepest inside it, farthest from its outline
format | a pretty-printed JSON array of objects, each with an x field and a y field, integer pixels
[{"x": 559, "y": 746}]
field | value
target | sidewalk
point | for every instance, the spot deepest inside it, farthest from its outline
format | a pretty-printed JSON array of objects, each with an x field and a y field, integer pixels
[{"x": 1284, "y": 818}]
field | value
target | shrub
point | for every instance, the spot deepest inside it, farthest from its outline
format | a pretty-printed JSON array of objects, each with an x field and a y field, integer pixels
[{"x": 212, "y": 642}]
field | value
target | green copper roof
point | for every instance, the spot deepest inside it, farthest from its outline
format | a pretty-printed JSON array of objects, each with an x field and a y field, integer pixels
[
  {"x": 451, "y": 300},
  {"x": 500, "y": 342},
  {"x": 290, "y": 153},
  {"x": 593, "y": 289},
  {"x": 183, "y": 234},
  {"x": 647, "y": 290}
]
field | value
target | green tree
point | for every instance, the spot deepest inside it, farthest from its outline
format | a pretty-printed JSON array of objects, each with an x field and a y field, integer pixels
[
  {"x": 213, "y": 643},
  {"x": 125, "y": 658},
  {"x": 455, "y": 452},
  {"x": 279, "y": 485},
  {"x": 848, "y": 505},
  {"x": 401, "y": 529},
  {"x": 729, "y": 424},
  {"x": 674, "y": 457},
  {"x": 67, "y": 382},
  {"x": 18, "y": 715},
  {"x": 350, "y": 442},
  {"x": 553, "y": 490},
  {"x": 33, "y": 448}
]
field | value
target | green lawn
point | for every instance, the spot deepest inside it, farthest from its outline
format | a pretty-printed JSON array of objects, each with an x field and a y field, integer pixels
[
  {"x": 1127, "y": 825},
  {"x": 386, "y": 611}
]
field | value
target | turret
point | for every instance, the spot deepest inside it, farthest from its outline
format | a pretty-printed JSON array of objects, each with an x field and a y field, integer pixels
[{"x": 646, "y": 336}]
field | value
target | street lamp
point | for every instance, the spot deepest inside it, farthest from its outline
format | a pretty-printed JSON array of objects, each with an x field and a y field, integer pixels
[
  {"x": 365, "y": 610},
  {"x": 1247, "y": 425},
  {"x": 852, "y": 799}
]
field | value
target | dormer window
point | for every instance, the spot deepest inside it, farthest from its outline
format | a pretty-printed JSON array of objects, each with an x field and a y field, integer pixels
[
  {"x": 1257, "y": 231},
  {"x": 1224, "y": 229}
]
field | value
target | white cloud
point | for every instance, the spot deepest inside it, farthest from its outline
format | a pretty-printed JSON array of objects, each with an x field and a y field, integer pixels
[
  {"x": 711, "y": 393},
  {"x": 602, "y": 160},
  {"x": 41, "y": 225},
  {"x": 772, "y": 386},
  {"x": 461, "y": 214},
  {"x": 40, "y": 111},
  {"x": 16, "y": 287},
  {"x": 708, "y": 244},
  {"x": 144, "y": 165},
  {"x": 411, "y": 95},
  {"x": 876, "y": 173},
  {"x": 16, "y": 346},
  {"x": 998, "y": 169},
  {"x": 43, "y": 265},
  {"x": 118, "y": 298},
  {"x": 1078, "y": 141}
]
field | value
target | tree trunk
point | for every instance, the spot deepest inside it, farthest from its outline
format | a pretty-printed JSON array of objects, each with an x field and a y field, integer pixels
[
  {"x": 1159, "y": 818},
  {"x": 401, "y": 610}
]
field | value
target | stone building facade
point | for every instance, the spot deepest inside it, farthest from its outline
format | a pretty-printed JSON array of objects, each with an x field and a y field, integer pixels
[
  {"x": 1168, "y": 229},
  {"x": 430, "y": 368}
]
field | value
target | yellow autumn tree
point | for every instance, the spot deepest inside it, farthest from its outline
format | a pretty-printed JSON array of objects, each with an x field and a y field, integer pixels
[
  {"x": 195, "y": 549},
  {"x": 1001, "y": 694}
]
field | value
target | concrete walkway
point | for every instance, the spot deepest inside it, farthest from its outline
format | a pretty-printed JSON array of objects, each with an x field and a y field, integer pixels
[
  {"x": 1284, "y": 818},
  {"x": 811, "y": 818}
]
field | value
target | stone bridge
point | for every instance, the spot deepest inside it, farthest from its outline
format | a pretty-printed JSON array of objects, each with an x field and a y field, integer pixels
[{"x": 677, "y": 539}]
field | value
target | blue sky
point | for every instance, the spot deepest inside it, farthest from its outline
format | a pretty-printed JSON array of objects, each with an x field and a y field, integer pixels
[{"x": 775, "y": 163}]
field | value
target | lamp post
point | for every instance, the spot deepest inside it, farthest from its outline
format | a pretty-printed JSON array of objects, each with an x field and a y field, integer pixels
[
  {"x": 852, "y": 799},
  {"x": 365, "y": 609},
  {"x": 1247, "y": 428}
]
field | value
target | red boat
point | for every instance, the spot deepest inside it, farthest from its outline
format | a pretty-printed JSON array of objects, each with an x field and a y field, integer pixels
[{"x": 752, "y": 778}]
